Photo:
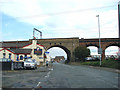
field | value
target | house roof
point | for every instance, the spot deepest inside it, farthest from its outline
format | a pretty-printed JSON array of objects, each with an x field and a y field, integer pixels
[
  {"x": 59, "y": 57},
  {"x": 13, "y": 44},
  {"x": 20, "y": 51}
]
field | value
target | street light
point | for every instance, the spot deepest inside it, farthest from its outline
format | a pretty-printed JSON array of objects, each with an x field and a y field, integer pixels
[{"x": 99, "y": 49}]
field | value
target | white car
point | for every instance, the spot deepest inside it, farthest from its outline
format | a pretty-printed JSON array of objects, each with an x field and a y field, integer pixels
[
  {"x": 30, "y": 63},
  {"x": 88, "y": 58}
]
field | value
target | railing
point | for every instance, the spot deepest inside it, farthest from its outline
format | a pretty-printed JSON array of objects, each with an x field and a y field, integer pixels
[{"x": 8, "y": 64}]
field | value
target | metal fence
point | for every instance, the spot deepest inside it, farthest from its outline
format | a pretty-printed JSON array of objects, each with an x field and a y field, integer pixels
[{"x": 11, "y": 65}]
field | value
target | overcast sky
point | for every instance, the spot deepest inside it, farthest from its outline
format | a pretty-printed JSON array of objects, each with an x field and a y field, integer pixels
[{"x": 58, "y": 18}]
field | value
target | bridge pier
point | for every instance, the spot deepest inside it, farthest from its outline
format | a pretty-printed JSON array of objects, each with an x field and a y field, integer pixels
[
  {"x": 103, "y": 52},
  {"x": 73, "y": 57},
  {"x": 103, "y": 55}
]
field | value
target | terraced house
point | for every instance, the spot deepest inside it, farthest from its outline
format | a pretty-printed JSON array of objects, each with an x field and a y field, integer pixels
[{"x": 18, "y": 51}]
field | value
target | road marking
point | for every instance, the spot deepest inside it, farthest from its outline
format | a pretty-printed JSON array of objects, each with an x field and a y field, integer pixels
[
  {"x": 48, "y": 74},
  {"x": 38, "y": 84}
]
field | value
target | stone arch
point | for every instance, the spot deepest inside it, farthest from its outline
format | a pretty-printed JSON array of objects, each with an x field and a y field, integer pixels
[{"x": 65, "y": 49}]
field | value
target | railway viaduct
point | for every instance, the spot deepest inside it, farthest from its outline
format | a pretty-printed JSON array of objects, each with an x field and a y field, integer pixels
[{"x": 69, "y": 44}]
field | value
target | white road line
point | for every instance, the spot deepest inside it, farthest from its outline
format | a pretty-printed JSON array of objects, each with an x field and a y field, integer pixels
[
  {"x": 38, "y": 84},
  {"x": 48, "y": 74}
]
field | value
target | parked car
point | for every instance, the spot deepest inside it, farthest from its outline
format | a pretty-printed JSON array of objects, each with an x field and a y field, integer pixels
[
  {"x": 88, "y": 58},
  {"x": 30, "y": 63}
]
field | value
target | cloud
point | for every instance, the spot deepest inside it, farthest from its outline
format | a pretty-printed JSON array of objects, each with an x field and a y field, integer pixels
[
  {"x": 66, "y": 18},
  {"x": 24, "y": 11},
  {"x": 85, "y": 24}
]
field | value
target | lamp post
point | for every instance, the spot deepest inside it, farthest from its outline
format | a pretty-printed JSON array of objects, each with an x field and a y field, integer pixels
[{"x": 100, "y": 49}]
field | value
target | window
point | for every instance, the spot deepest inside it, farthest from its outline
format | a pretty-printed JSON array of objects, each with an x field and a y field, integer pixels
[
  {"x": 9, "y": 55},
  {"x": 25, "y": 56},
  {"x": 21, "y": 57},
  {"x": 17, "y": 57},
  {"x": 4, "y": 55}
]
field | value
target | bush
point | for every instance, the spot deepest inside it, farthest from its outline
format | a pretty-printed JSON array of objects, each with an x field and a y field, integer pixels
[
  {"x": 110, "y": 63},
  {"x": 81, "y": 53}
]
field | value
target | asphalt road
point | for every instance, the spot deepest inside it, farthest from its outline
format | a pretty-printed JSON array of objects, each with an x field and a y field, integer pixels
[
  {"x": 61, "y": 76},
  {"x": 23, "y": 78}
]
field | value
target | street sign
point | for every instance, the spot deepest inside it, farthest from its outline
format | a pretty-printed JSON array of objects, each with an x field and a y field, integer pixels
[
  {"x": 99, "y": 50},
  {"x": 47, "y": 52}
]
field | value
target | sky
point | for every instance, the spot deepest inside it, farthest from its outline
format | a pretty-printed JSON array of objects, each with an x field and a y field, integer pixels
[{"x": 58, "y": 19}]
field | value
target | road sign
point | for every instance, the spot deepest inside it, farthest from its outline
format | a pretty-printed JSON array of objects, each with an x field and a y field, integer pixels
[
  {"x": 99, "y": 50},
  {"x": 47, "y": 52}
]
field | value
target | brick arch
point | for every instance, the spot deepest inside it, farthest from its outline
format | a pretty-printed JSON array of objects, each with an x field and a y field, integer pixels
[
  {"x": 88, "y": 45},
  {"x": 113, "y": 44},
  {"x": 72, "y": 43},
  {"x": 92, "y": 46},
  {"x": 65, "y": 49}
]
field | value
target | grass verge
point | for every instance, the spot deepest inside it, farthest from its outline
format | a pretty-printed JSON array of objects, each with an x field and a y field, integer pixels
[{"x": 105, "y": 63}]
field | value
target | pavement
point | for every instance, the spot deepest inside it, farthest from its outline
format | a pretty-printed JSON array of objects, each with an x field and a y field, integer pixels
[{"x": 23, "y": 78}]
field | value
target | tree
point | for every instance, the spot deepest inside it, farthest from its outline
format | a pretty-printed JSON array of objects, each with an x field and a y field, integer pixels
[{"x": 81, "y": 53}]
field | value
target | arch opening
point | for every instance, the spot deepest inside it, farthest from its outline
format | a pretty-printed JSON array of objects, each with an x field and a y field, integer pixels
[
  {"x": 58, "y": 50},
  {"x": 93, "y": 51},
  {"x": 111, "y": 51}
]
